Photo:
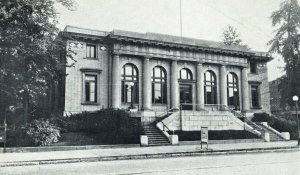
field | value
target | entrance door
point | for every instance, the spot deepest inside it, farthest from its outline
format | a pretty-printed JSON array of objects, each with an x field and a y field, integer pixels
[{"x": 186, "y": 96}]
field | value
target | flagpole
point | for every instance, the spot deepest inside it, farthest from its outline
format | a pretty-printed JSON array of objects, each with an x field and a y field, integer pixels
[{"x": 180, "y": 15}]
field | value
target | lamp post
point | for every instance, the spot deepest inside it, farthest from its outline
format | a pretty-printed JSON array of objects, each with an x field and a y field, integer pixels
[
  {"x": 131, "y": 84},
  {"x": 295, "y": 99}
]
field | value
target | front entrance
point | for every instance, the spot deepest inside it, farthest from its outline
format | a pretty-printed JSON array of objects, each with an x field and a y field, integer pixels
[{"x": 186, "y": 98}]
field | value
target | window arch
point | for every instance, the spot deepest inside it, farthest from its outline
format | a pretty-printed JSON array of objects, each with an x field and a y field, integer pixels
[
  {"x": 185, "y": 74},
  {"x": 129, "y": 78},
  {"x": 159, "y": 85},
  {"x": 210, "y": 88},
  {"x": 232, "y": 90}
]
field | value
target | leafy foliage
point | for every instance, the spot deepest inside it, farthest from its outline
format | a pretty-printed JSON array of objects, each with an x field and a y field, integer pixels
[
  {"x": 286, "y": 42},
  {"x": 42, "y": 132},
  {"x": 281, "y": 124},
  {"x": 230, "y": 36},
  {"x": 29, "y": 50},
  {"x": 112, "y": 126}
]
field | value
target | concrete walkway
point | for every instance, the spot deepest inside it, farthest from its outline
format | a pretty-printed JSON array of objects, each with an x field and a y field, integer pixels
[{"x": 35, "y": 158}]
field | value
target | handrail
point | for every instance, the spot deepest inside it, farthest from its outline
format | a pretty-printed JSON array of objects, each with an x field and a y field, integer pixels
[
  {"x": 219, "y": 107},
  {"x": 160, "y": 117},
  {"x": 165, "y": 126},
  {"x": 222, "y": 106},
  {"x": 242, "y": 116}
]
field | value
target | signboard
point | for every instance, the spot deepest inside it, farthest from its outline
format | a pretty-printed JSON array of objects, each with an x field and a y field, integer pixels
[{"x": 204, "y": 136}]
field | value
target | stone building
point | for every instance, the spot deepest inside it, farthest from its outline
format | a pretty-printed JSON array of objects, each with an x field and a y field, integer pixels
[{"x": 153, "y": 73}]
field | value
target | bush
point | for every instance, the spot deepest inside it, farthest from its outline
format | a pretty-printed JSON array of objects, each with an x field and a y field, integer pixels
[
  {"x": 107, "y": 126},
  {"x": 18, "y": 138},
  {"x": 111, "y": 125},
  {"x": 281, "y": 124},
  {"x": 262, "y": 117},
  {"x": 42, "y": 132}
]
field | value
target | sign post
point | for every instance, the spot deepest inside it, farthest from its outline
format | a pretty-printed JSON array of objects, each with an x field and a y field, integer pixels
[{"x": 204, "y": 136}]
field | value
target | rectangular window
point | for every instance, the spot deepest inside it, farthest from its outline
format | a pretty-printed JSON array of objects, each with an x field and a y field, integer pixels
[
  {"x": 90, "y": 51},
  {"x": 90, "y": 88},
  {"x": 253, "y": 67},
  {"x": 254, "y": 96}
]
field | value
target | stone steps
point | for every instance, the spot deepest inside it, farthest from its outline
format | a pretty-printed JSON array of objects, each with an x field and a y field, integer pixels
[
  {"x": 155, "y": 136},
  {"x": 273, "y": 136}
]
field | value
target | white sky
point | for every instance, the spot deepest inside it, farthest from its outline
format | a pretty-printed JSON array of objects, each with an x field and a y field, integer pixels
[{"x": 202, "y": 19}]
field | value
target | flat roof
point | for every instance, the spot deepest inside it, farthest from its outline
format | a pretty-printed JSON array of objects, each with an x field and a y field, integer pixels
[{"x": 149, "y": 36}]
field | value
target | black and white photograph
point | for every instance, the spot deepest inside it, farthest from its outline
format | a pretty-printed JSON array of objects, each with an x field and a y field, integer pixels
[{"x": 149, "y": 87}]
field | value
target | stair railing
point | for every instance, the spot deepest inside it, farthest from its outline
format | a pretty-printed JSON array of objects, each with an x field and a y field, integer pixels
[
  {"x": 222, "y": 107},
  {"x": 160, "y": 118},
  {"x": 245, "y": 119}
]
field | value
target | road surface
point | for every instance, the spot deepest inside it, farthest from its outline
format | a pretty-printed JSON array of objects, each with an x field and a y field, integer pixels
[{"x": 280, "y": 163}]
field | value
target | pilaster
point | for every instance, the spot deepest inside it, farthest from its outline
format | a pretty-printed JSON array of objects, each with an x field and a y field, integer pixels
[
  {"x": 174, "y": 85},
  {"x": 245, "y": 90},
  {"x": 116, "y": 82},
  {"x": 146, "y": 85},
  {"x": 223, "y": 91},
  {"x": 199, "y": 87}
]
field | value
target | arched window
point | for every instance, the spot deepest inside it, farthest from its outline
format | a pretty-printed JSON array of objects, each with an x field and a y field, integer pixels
[
  {"x": 232, "y": 91},
  {"x": 159, "y": 88},
  {"x": 210, "y": 88},
  {"x": 130, "y": 90},
  {"x": 185, "y": 74}
]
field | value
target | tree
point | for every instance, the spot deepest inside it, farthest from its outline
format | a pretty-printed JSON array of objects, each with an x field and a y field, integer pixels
[
  {"x": 230, "y": 36},
  {"x": 29, "y": 50},
  {"x": 286, "y": 43}
]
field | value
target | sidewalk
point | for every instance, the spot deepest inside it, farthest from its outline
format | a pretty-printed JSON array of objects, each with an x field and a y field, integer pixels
[{"x": 36, "y": 158}]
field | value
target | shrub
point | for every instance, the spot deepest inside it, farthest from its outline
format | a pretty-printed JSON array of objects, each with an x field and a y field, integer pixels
[
  {"x": 42, "y": 132},
  {"x": 281, "y": 124},
  {"x": 110, "y": 125},
  {"x": 262, "y": 117},
  {"x": 18, "y": 138}
]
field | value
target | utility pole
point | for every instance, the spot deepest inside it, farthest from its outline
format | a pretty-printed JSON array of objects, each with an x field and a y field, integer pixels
[{"x": 180, "y": 16}]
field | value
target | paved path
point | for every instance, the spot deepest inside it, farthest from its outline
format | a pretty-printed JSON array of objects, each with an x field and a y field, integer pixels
[
  {"x": 279, "y": 163},
  {"x": 34, "y": 156}
]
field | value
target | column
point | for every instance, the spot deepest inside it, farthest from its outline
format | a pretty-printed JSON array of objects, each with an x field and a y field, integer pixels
[
  {"x": 199, "y": 88},
  {"x": 245, "y": 90},
  {"x": 116, "y": 82},
  {"x": 174, "y": 85},
  {"x": 146, "y": 85},
  {"x": 223, "y": 86}
]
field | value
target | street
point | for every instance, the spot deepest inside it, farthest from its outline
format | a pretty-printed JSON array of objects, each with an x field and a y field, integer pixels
[{"x": 279, "y": 163}]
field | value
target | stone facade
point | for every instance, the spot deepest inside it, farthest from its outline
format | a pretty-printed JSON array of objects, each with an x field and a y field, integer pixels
[
  {"x": 145, "y": 51},
  {"x": 194, "y": 120}
]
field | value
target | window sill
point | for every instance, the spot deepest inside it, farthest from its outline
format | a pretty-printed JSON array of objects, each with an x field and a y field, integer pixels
[
  {"x": 90, "y": 58},
  {"x": 159, "y": 104},
  {"x": 256, "y": 107},
  {"x": 90, "y": 103}
]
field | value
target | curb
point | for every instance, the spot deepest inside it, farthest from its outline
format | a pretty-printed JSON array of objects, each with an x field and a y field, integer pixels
[
  {"x": 150, "y": 156},
  {"x": 63, "y": 148}
]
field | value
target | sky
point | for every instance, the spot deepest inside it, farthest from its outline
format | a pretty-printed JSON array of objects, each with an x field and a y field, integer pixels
[{"x": 201, "y": 19}]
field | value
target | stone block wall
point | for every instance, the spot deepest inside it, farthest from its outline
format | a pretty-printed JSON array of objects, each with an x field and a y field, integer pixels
[
  {"x": 194, "y": 120},
  {"x": 261, "y": 78},
  {"x": 74, "y": 79}
]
